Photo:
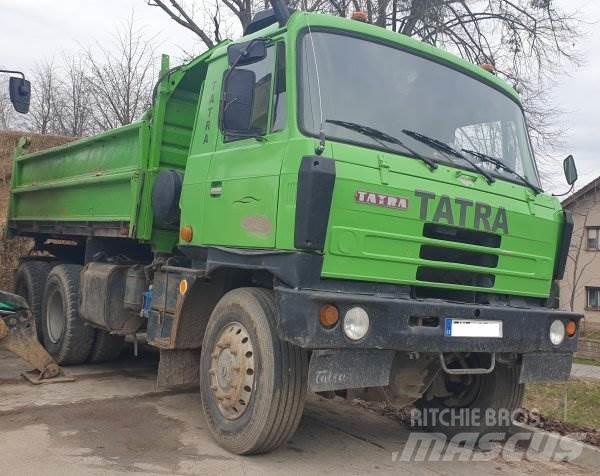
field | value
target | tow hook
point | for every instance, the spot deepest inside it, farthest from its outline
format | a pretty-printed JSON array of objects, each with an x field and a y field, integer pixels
[{"x": 468, "y": 371}]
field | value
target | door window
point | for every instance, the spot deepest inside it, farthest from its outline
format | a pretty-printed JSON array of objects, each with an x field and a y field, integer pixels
[
  {"x": 263, "y": 70},
  {"x": 279, "y": 92}
]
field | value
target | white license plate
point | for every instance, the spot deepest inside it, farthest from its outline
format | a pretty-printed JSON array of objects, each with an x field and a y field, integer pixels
[{"x": 474, "y": 328}]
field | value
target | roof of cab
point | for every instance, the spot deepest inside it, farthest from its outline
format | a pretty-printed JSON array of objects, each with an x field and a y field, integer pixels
[{"x": 300, "y": 20}]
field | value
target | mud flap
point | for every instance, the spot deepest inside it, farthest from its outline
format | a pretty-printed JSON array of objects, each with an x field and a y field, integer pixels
[
  {"x": 545, "y": 367},
  {"x": 342, "y": 369},
  {"x": 178, "y": 368}
]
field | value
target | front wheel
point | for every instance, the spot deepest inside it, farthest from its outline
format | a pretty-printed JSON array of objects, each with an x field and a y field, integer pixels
[
  {"x": 252, "y": 384},
  {"x": 480, "y": 404}
]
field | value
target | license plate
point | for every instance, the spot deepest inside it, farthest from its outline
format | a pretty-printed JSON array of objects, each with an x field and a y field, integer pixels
[{"x": 472, "y": 328}]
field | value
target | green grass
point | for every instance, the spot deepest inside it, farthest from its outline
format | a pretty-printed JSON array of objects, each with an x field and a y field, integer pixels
[
  {"x": 583, "y": 398},
  {"x": 592, "y": 335},
  {"x": 577, "y": 360}
]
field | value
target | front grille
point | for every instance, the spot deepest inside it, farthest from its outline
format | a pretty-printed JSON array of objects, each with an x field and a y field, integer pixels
[
  {"x": 452, "y": 255},
  {"x": 461, "y": 235},
  {"x": 446, "y": 254},
  {"x": 455, "y": 276}
]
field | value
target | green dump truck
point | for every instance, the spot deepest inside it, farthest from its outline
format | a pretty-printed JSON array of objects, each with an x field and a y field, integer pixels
[{"x": 324, "y": 206}]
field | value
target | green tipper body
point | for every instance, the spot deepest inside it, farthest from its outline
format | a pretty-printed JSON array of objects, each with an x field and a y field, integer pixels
[{"x": 243, "y": 193}]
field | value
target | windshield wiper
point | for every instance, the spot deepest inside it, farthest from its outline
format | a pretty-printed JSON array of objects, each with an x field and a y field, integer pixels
[
  {"x": 501, "y": 165},
  {"x": 380, "y": 137},
  {"x": 448, "y": 150}
]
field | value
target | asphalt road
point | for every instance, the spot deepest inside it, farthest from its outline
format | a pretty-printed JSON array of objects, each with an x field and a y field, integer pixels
[{"x": 112, "y": 420}]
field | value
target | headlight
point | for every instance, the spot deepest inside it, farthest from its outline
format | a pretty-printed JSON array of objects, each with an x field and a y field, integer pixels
[
  {"x": 356, "y": 323},
  {"x": 557, "y": 332}
]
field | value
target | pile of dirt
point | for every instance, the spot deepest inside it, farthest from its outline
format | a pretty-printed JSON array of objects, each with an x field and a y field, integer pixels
[{"x": 11, "y": 250}]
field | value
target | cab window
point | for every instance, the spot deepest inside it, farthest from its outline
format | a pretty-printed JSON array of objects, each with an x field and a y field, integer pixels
[
  {"x": 279, "y": 92},
  {"x": 263, "y": 71}
]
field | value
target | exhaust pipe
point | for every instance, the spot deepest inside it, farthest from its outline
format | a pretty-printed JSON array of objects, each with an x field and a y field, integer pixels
[{"x": 282, "y": 12}]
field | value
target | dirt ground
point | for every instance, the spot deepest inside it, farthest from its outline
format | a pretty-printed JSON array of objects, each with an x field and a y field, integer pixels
[{"x": 112, "y": 420}]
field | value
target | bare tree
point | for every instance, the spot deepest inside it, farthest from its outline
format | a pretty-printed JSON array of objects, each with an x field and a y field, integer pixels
[
  {"x": 183, "y": 13},
  {"x": 73, "y": 108},
  {"x": 210, "y": 28},
  {"x": 42, "y": 112},
  {"x": 120, "y": 78},
  {"x": 6, "y": 108}
]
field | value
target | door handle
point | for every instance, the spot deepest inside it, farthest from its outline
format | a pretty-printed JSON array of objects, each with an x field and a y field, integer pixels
[{"x": 216, "y": 189}]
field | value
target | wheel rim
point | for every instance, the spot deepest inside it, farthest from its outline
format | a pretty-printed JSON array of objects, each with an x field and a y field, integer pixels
[
  {"x": 232, "y": 371},
  {"x": 55, "y": 317}
]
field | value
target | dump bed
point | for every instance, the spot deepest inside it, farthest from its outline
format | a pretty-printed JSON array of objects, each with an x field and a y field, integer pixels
[
  {"x": 102, "y": 185},
  {"x": 91, "y": 186}
]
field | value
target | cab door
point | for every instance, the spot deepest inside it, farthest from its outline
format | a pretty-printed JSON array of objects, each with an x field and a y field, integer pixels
[{"x": 243, "y": 177}]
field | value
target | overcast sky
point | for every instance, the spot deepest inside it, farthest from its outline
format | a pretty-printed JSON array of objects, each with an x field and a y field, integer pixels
[{"x": 32, "y": 30}]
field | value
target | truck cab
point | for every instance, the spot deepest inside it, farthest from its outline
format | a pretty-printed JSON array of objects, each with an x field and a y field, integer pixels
[
  {"x": 435, "y": 185},
  {"x": 322, "y": 205}
]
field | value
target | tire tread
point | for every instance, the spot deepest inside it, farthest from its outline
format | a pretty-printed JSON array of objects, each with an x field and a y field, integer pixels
[
  {"x": 290, "y": 380},
  {"x": 76, "y": 344}
]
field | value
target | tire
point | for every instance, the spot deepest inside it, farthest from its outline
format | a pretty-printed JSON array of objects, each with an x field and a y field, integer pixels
[
  {"x": 270, "y": 394},
  {"x": 30, "y": 281},
  {"x": 499, "y": 394},
  {"x": 107, "y": 347},
  {"x": 65, "y": 335}
]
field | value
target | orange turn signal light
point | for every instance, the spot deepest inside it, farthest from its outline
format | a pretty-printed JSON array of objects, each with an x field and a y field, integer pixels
[
  {"x": 571, "y": 328},
  {"x": 489, "y": 67},
  {"x": 359, "y": 15},
  {"x": 183, "y": 286},
  {"x": 186, "y": 233},
  {"x": 329, "y": 316}
]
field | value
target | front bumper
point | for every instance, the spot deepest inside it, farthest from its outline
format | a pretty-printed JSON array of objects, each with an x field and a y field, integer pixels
[{"x": 393, "y": 324}]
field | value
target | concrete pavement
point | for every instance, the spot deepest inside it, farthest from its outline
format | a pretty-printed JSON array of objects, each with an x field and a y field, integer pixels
[
  {"x": 586, "y": 371},
  {"x": 115, "y": 422}
]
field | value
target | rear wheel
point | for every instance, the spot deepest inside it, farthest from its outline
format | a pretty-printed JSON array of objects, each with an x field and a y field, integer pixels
[
  {"x": 65, "y": 335},
  {"x": 490, "y": 399},
  {"x": 30, "y": 281},
  {"x": 252, "y": 384}
]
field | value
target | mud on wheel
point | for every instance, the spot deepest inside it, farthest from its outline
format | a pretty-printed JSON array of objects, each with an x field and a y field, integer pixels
[{"x": 252, "y": 384}]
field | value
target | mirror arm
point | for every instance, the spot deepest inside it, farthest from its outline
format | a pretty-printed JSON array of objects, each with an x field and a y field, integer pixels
[
  {"x": 282, "y": 12},
  {"x": 566, "y": 193},
  {"x": 8, "y": 71}
]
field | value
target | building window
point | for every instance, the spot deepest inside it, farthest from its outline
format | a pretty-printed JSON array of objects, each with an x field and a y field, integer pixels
[
  {"x": 593, "y": 298},
  {"x": 593, "y": 238}
]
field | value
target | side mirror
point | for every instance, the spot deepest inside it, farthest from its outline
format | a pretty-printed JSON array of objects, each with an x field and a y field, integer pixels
[
  {"x": 570, "y": 170},
  {"x": 240, "y": 54},
  {"x": 20, "y": 94},
  {"x": 238, "y": 99}
]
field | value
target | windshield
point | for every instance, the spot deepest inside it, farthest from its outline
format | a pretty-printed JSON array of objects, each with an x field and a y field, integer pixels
[{"x": 393, "y": 91}]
